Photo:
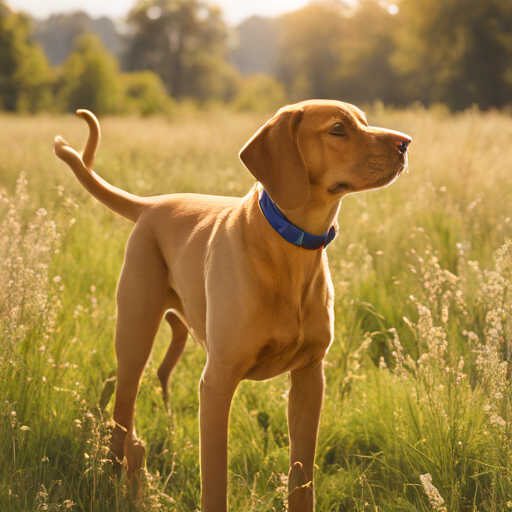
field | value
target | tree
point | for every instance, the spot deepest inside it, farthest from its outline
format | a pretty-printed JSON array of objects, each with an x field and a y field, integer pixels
[
  {"x": 90, "y": 78},
  {"x": 331, "y": 50},
  {"x": 184, "y": 42},
  {"x": 260, "y": 93},
  {"x": 145, "y": 93},
  {"x": 57, "y": 34},
  {"x": 25, "y": 76},
  {"x": 365, "y": 73},
  {"x": 309, "y": 52},
  {"x": 456, "y": 52}
]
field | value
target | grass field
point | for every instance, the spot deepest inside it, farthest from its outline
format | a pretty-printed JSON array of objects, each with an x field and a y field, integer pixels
[{"x": 417, "y": 414}]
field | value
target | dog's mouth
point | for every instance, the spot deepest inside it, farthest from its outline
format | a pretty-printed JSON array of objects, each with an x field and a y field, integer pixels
[
  {"x": 400, "y": 168},
  {"x": 381, "y": 174},
  {"x": 403, "y": 166}
]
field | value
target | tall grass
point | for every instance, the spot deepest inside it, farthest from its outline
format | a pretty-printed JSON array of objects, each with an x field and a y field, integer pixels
[{"x": 417, "y": 413}]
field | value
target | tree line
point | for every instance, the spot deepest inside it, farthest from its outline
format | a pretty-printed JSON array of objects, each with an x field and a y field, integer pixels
[{"x": 454, "y": 52}]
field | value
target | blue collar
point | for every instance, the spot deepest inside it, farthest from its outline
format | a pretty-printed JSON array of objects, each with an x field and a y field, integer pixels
[{"x": 288, "y": 231}]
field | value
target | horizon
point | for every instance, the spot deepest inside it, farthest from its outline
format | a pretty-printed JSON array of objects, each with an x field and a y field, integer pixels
[{"x": 233, "y": 11}]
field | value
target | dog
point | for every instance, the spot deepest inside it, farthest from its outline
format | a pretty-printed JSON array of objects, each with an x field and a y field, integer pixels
[{"x": 247, "y": 277}]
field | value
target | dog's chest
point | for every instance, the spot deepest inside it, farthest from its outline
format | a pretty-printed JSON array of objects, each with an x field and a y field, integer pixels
[
  {"x": 273, "y": 316},
  {"x": 292, "y": 334},
  {"x": 291, "y": 344}
]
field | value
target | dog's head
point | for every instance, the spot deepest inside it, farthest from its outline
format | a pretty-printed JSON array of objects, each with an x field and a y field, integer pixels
[{"x": 324, "y": 149}]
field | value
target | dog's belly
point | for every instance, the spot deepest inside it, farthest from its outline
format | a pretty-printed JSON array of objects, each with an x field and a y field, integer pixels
[{"x": 289, "y": 359}]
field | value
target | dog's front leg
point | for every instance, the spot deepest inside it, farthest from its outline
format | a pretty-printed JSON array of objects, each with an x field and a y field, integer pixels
[
  {"x": 304, "y": 405},
  {"x": 216, "y": 390}
]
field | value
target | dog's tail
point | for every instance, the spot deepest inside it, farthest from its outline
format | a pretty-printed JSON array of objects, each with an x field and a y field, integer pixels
[{"x": 128, "y": 205}]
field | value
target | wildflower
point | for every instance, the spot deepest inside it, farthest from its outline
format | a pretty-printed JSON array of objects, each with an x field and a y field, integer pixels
[
  {"x": 497, "y": 420},
  {"x": 434, "y": 497},
  {"x": 56, "y": 279},
  {"x": 460, "y": 367},
  {"x": 474, "y": 203}
]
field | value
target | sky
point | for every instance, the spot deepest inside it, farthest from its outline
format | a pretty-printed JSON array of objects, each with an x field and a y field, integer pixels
[{"x": 234, "y": 10}]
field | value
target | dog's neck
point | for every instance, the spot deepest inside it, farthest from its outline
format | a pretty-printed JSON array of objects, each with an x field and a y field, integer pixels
[{"x": 315, "y": 217}]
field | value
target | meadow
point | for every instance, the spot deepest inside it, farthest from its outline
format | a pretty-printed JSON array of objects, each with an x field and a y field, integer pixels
[{"x": 418, "y": 408}]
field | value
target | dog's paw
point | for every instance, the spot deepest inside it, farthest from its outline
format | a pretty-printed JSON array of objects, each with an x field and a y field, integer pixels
[
  {"x": 116, "y": 448},
  {"x": 134, "y": 451},
  {"x": 300, "y": 490}
]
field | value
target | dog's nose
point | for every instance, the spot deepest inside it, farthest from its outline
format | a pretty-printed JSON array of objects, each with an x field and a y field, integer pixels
[
  {"x": 402, "y": 141},
  {"x": 402, "y": 146}
]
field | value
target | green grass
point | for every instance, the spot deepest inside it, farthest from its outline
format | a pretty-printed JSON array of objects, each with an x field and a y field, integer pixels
[{"x": 419, "y": 285}]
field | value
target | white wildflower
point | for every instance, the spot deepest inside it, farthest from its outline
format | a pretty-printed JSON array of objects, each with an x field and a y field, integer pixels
[{"x": 434, "y": 497}]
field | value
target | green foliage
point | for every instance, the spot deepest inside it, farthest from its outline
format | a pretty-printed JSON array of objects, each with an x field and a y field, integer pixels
[
  {"x": 183, "y": 41},
  {"x": 145, "y": 94},
  {"x": 89, "y": 78},
  {"x": 260, "y": 93},
  {"x": 309, "y": 52},
  {"x": 450, "y": 53},
  {"x": 366, "y": 45},
  {"x": 25, "y": 76},
  {"x": 331, "y": 51}
]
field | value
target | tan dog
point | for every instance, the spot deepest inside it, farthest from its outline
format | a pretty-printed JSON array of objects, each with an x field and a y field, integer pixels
[{"x": 214, "y": 266}]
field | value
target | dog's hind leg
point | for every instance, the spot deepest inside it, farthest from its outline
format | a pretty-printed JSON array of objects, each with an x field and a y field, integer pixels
[
  {"x": 141, "y": 304},
  {"x": 174, "y": 352}
]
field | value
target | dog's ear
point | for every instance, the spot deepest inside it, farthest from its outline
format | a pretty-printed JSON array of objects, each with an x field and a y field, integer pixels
[{"x": 274, "y": 158}]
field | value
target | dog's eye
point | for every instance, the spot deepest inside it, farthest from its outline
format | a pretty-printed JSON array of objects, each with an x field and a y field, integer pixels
[{"x": 338, "y": 129}]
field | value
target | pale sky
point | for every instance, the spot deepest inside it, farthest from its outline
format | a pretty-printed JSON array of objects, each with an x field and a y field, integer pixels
[{"x": 234, "y": 10}]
